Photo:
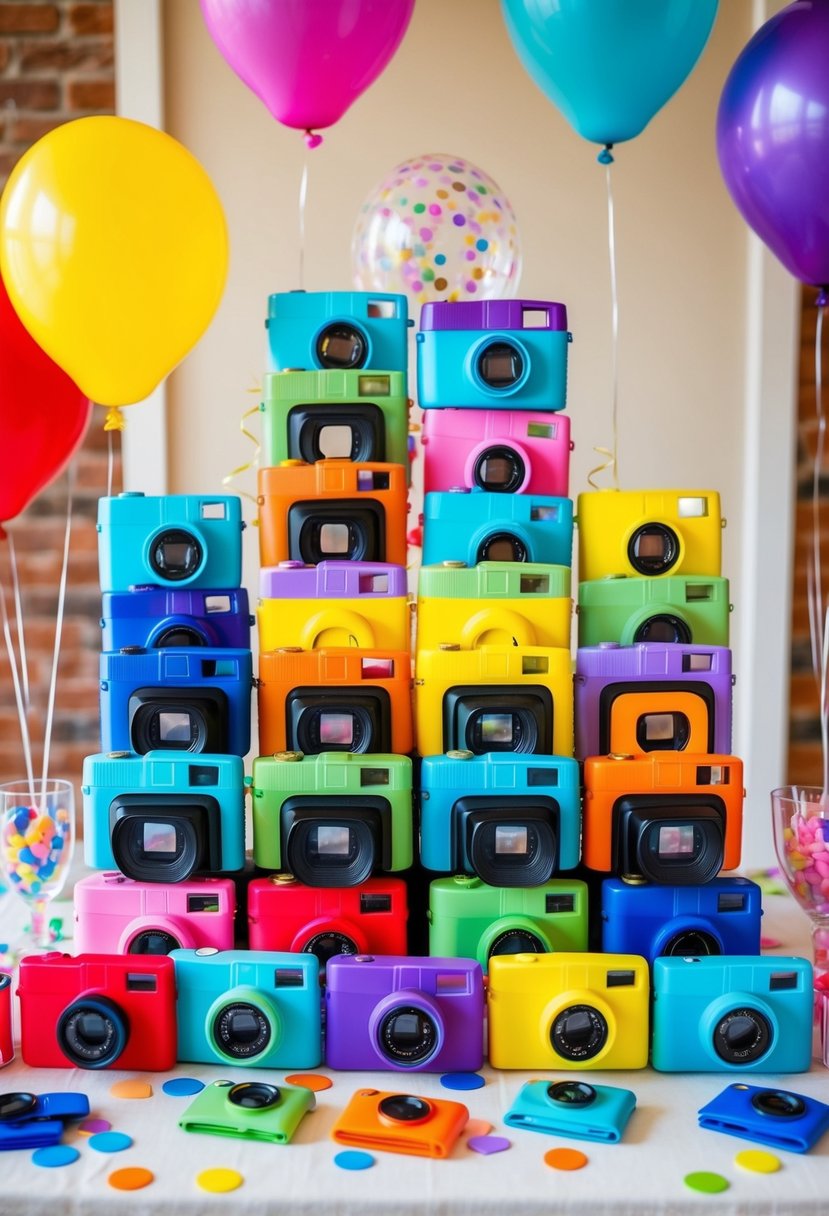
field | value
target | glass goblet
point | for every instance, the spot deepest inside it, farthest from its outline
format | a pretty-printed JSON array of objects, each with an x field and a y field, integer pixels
[{"x": 37, "y": 837}]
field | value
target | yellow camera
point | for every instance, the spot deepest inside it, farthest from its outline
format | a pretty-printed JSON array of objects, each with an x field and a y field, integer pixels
[
  {"x": 568, "y": 1011},
  {"x": 649, "y": 533},
  {"x": 494, "y": 699}
]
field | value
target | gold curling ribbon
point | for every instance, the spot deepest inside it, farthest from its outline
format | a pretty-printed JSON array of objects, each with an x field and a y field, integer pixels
[
  {"x": 254, "y": 460},
  {"x": 610, "y": 463},
  {"x": 115, "y": 420}
]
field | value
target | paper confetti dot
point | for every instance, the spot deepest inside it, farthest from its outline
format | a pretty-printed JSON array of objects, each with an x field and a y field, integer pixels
[
  {"x": 488, "y": 1144},
  {"x": 757, "y": 1161},
  {"x": 91, "y": 1127},
  {"x": 462, "y": 1080},
  {"x": 182, "y": 1087},
  {"x": 131, "y": 1089},
  {"x": 110, "y": 1142},
  {"x": 131, "y": 1178},
  {"x": 218, "y": 1180},
  {"x": 707, "y": 1183},
  {"x": 310, "y": 1080},
  {"x": 351, "y": 1159},
  {"x": 477, "y": 1127},
  {"x": 55, "y": 1155},
  {"x": 565, "y": 1159}
]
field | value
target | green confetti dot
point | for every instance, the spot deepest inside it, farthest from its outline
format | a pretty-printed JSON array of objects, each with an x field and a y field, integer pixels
[
  {"x": 419, "y": 208},
  {"x": 707, "y": 1183}
]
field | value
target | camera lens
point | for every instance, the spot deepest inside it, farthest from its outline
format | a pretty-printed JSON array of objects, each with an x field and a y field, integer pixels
[
  {"x": 159, "y": 725},
  {"x": 404, "y": 1108},
  {"x": 155, "y": 848},
  {"x": 254, "y": 1095},
  {"x": 241, "y": 1030},
  {"x": 329, "y": 945},
  {"x": 692, "y": 943},
  {"x": 579, "y": 1032},
  {"x": 778, "y": 1102},
  {"x": 92, "y": 1032},
  {"x": 664, "y": 627},
  {"x": 653, "y": 549},
  {"x": 331, "y": 852},
  {"x": 680, "y": 851},
  {"x": 571, "y": 1093},
  {"x": 408, "y": 1035},
  {"x": 178, "y": 635},
  {"x": 341, "y": 345},
  {"x": 335, "y": 728},
  {"x": 502, "y": 547},
  {"x": 668, "y": 732},
  {"x": 742, "y": 1036},
  {"x": 16, "y": 1105},
  {"x": 500, "y": 365},
  {"x": 153, "y": 941},
  {"x": 175, "y": 555},
  {"x": 501, "y": 730},
  {"x": 500, "y": 470},
  {"x": 517, "y": 941},
  {"x": 513, "y": 852}
]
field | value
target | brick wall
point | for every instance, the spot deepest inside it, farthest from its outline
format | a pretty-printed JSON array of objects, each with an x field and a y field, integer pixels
[{"x": 56, "y": 63}]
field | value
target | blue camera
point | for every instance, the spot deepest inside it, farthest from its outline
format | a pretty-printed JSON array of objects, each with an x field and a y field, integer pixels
[
  {"x": 34, "y": 1120},
  {"x": 573, "y": 1109},
  {"x": 191, "y": 699},
  {"x": 337, "y": 329},
  {"x": 493, "y": 354},
  {"x": 735, "y": 1014},
  {"x": 252, "y": 1008},
  {"x": 169, "y": 540},
  {"x": 164, "y": 817},
  {"x": 775, "y": 1117},
  {"x": 160, "y": 617},
  {"x": 718, "y": 917},
  {"x": 478, "y": 526},
  {"x": 513, "y": 821}
]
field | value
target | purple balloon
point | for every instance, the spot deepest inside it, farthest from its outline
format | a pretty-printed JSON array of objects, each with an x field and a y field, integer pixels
[
  {"x": 307, "y": 60},
  {"x": 773, "y": 137}
]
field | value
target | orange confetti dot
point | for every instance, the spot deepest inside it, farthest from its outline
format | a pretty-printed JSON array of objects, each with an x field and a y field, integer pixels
[
  {"x": 131, "y": 1089},
  {"x": 133, "y": 1178},
  {"x": 477, "y": 1127},
  {"x": 314, "y": 1081},
  {"x": 565, "y": 1159}
]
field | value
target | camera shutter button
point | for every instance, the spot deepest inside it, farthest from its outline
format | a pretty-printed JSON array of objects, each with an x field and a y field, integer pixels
[
  {"x": 363, "y": 958},
  {"x": 204, "y": 950},
  {"x": 288, "y": 757},
  {"x": 526, "y": 958}
]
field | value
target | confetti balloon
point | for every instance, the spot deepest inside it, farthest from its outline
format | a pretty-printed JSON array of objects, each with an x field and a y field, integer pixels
[{"x": 437, "y": 228}]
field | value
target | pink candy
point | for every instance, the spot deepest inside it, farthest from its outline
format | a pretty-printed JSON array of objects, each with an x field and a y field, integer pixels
[{"x": 807, "y": 850}]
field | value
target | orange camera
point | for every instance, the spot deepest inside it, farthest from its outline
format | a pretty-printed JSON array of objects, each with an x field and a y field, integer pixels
[
  {"x": 342, "y": 699},
  {"x": 669, "y": 817},
  {"x": 400, "y": 1123},
  {"x": 332, "y": 509}
]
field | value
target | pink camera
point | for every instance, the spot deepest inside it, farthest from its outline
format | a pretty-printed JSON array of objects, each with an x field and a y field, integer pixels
[
  {"x": 115, "y": 915},
  {"x": 503, "y": 451}
]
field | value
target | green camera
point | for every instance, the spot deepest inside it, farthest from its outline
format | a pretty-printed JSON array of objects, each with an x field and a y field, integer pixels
[
  {"x": 251, "y": 1110},
  {"x": 679, "y": 608}
]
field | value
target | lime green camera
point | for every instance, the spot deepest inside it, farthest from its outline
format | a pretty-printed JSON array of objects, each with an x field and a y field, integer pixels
[{"x": 251, "y": 1110}]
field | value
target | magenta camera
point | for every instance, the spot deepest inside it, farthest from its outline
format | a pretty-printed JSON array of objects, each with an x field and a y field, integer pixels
[
  {"x": 503, "y": 451},
  {"x": 404, "y": 1014}
]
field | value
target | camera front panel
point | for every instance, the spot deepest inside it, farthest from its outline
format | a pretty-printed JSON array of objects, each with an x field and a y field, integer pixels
[
  {"x": 159, "y": 838},
  {"x": 649, "y": 534},
  {"x": 777, "y": 1118},
  {"x": 187, "y": 719},
  {"x": 646, "y": 716},
  {"x": 346, "y": 530},
  {"x": 671, "y": 610},
  {"x": 495, "y": 450},
  {"x": 337, "y": 330},
  {"x": 401, "y": 1123},
  {"x": 510, "y": 841},
  {"x": 342, "y": 720},
  {"x": 501, "y": 718},
  {"x": 354, "y": 432},
  {"x": 336, "y": 842},
  {"x": 679, "y": 838}
]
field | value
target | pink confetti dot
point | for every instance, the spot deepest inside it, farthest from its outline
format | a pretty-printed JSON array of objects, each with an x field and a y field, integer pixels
[
  {"x": 470, "y": 255},
  {"x": 434, "y": 209},
  {"x": 426, "y": 234},
  {"x": 471, "y": 287}
]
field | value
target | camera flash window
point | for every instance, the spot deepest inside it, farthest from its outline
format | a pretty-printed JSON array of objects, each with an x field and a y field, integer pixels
[
  {"x": 692, "y": 508},
  {"x": 213, "y": 510},
  {"x": 541, "y": 430}
]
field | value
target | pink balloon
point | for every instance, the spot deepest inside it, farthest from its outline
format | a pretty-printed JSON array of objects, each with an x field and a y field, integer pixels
[{"x": 307, "y": 60}]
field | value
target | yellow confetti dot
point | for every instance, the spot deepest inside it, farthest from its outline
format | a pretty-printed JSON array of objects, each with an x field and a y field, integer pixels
[
  {"x": 757, "y": 1161},
  {"x": 218, "y": 1181}
]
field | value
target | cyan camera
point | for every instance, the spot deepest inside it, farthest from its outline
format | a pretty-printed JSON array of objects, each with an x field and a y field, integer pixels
[
  {"x": 573, "y": 1109},
  {"x": 164, "y": 817},
  {"x": 513, "y": 821},
  {"x": 160, "y": 617},
  {"x": 191, "y": 699},
  {"x": 338, "y": 330},
  {"x": 477, "y": 526},
  {"x": 169, "y": 540}
]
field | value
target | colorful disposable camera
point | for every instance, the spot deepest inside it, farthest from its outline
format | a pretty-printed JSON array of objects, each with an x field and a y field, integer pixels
[
  {"x": 332, "y": 509},
  {"x": 573, "y": 1110},
  {"x": 335, "y": 604},
  {"x": 503, "y": 603},
  {"x": 6, "y": 1021},
  {"x": 672, "y": 818},
  {"x": 342, "y": 699},
  {"x": 653, "y": 696},
  {"x": 512, "y": 821},
  {"x": 157, "y": 617},
  {"x": 737, "y": 1014},
  {"x": 476, "y": 526},
  {"x": 568, "y": 1011},
  {"x": 775, "y": 1117},
  {"x": 169, "y": 540},
  {"x": 252, "y": 1008},
  {"x": 190, "y": 699},
  {"x": 493, "y": 354},
  {"x": 30, "y": 1120},
  {"x": 719, "y": 917},
  {"x": 284, "y": 914},
  {"x": 116, "y": 915},
  {"x": 468, "y": 919},
  {"x": 337, "y": 329},
  {"x": 404, "y": 1014},
  {"x": 97, "y": 1011},
  {"x": 627, "y": 610},
  {"x": 494, "y": 699},
  {"x": 649, "y": 533},
  {"x": 504, "y": 451},
  {"x": 400, "y": 1123},
  {"x": 347, "y": 415},
  {"x": 249, "y": 1110},
  {"x": 164, "y": 817},
  {"x": 333, "y": 819}
]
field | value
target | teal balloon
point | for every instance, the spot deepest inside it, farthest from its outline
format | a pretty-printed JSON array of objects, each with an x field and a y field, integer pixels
[{"x": 609, "y": 65}]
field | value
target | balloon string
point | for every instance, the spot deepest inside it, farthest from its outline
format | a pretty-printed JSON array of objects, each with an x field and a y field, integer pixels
[
  {"x": 815, "y": 581},
  {"x": 110, "y": 461},
  {"x": 611, "y": 454},
  {"x": 18, "y": 696},
  {"x": 254, "y": 460},
  {"x": 115, "y": 420},
  {"x": 18, "y": 612},
  {"x": 53, "y": 678},
  {"x": 303, "y": 198}
]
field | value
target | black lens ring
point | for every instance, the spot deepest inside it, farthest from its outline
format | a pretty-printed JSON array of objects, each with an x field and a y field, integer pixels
[
  {"x": 501, "y": 348},
  {"x": 178, "y": 635},
  {"x": 679, "y": 630},
  {"x": 143, "y": 871},
  {"x": 416, "y": 1054},
  {"x": 518, "y": 470},
  {"x": 598, "y": 1036},
  {"x": 146, "y": 937},
  {"x": 341, "y": 329},
  {"x": 404, "y": 1108},
  {"x": 270, "y": 1095},
  {"x": 763, "y": 1036},
  {"x": 21, "y": 1102},
  {"x": 524, "y": 731},
  {"x": 350, "y": 875},
  {"x": 314, "y": 945},
  {"x": 691, "y": 943},
  {"x": 222, "y": 1031},
  {"x": 571, "y": 1093},
  {"x": 175, "y": 536},
  {"x": 519, "y": 549},
  {"x": 70, "y": 1037},
  {"x": 648, "y": 567},
  {"x": 308, "y": 730},
  {"x": 525, "y": 943},
  {"x": 778, "y": 1104}
]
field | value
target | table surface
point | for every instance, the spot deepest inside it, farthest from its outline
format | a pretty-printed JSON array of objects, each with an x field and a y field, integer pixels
[{"x": 644, "y": 1174}]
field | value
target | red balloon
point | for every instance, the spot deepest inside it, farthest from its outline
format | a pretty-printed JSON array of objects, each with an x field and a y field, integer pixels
[{"x": 43, "y": 415}]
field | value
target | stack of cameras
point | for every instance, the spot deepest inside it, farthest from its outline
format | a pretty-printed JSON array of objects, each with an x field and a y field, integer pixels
[{"x": 164, "y": 811}]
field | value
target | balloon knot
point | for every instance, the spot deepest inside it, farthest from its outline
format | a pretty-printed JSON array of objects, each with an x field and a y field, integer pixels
[
  {"x": 605, "y": 157},
  {"x": 312, "y": 139},
  {"x": 3, "y": 533},
  {"x": 114, "y": 420},
  {"x": 822, "y": 298}
]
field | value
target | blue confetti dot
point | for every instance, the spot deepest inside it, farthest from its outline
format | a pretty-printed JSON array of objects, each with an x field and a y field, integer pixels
[
  {"x": 110, "y": 1142},
  {"x": 55, "y": 1155},
  {"x": 182, "y": 1087},
  {"x": 481, "y": 245},
  {"x": 351, "y": 1159},
  {"x": 440, "y": 258},
  {"x": 462, "y": 1080}
]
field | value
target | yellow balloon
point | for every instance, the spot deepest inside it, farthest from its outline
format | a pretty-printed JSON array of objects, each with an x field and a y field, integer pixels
[{"x": 113, "y": 248}]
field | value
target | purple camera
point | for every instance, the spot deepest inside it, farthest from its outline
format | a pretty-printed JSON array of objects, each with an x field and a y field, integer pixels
[
  {"x": 652, "y": 696},
  {"x": 401, "y": 1014},
  {"x": 154, "y": 617}
]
